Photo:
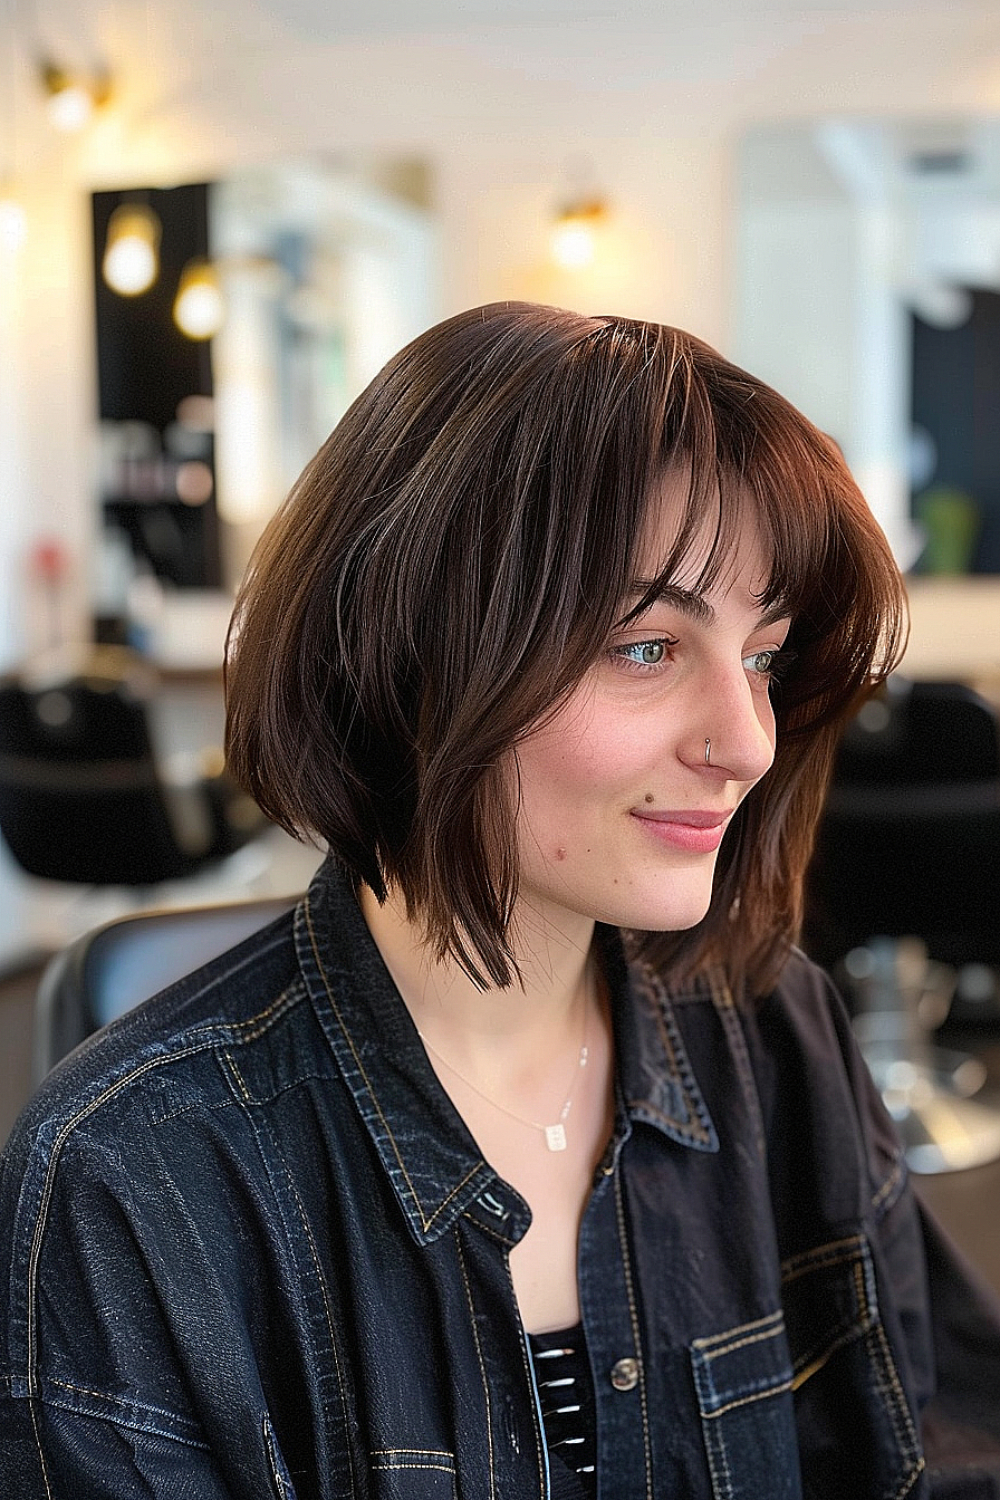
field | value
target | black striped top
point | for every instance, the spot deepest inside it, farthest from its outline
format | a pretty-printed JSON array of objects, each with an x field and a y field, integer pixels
[{"x": 566, "y": 1389}]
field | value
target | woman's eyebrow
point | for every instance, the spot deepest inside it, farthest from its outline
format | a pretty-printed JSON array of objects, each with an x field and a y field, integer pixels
[
  {"x": 685, "y": 600},
  {"x": 693, "y": 604}
]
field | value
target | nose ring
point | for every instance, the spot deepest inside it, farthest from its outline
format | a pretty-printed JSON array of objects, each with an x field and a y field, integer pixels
[{"x": 708, "y": 752}]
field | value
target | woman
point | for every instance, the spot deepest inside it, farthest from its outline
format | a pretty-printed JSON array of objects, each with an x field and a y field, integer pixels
[{"x": 528, "y": 1158}]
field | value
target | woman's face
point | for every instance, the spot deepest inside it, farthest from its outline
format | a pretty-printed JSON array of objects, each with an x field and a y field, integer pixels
[{"x": 621, "y": 817}]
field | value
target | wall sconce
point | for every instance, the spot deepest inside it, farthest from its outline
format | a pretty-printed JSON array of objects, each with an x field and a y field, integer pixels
[
  {"x": 72, "y": 97},
  {"x": 132, "y": 250},
  {"x": 574, "y": 233},
  {"x": 199, "y": 308}
]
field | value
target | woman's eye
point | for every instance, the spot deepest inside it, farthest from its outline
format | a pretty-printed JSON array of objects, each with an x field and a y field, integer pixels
[
  {"x": 643, "y": 653},
  {"x": 772, "y": 662},
  {"x": 760, "y": 661}
]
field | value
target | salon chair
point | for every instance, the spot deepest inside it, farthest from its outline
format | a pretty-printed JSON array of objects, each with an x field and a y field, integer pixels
[
  {"x": 903, "y": 904},
  {"x": 113, "y": 968},
  {"x": 84, "y": 798}
]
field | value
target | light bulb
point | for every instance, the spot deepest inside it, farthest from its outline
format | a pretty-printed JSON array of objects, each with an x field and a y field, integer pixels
[
  {"x": 131, "y": 255},
  {"x": 572, "y": 244},
  {"x": 573, "y": 241},
  {"x": 199, "y": 308},
  {"x": 72, "y": 96},
  {"x": 70, "y": 107}
]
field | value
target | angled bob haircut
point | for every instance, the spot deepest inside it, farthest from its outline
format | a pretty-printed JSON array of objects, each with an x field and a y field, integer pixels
[{"x": 452, "y": 562}]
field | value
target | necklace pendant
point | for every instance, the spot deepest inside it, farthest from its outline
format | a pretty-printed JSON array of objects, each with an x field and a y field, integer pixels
[{"x": 555, "y": 1137}]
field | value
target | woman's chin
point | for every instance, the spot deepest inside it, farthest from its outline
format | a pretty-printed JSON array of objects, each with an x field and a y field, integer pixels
[{"x": 678, "y": 914}]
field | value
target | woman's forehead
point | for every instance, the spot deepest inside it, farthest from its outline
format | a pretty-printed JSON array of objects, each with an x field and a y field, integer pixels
[{"x": 719, "y": 548}]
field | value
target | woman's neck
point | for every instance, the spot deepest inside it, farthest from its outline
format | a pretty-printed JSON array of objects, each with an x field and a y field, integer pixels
[
  {"x": 529, "y": 1069},
  {"x": 482, "y": 1027}
]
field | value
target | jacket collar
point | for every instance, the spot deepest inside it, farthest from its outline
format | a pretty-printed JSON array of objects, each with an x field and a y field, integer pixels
[{"x": 435, "y": 1166}]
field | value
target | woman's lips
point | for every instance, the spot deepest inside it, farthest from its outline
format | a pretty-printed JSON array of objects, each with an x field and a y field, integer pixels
[{"x": 696, "y": 831}]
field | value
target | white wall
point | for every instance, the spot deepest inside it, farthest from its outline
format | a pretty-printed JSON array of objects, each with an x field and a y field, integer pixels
[{"x": 772, "y": 295}]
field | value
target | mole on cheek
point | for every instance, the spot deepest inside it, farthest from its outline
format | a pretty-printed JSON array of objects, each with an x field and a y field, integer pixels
[
  {"x": 560, "y": 853},
  {"x": 648, "y": 797}
]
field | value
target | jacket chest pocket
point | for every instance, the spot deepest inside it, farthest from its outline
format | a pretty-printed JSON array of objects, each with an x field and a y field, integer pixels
[
  {"x": 743, "y": 1379},
  {"x": 856, "y": 1431},
  {"x": 806, "y": 1404}
]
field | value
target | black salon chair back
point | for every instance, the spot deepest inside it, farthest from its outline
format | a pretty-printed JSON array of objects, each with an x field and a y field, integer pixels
[
  {"x": 82, "y": 796},
  {"x": 115, "y": 967},
  {"x": 909, "y": 843}
]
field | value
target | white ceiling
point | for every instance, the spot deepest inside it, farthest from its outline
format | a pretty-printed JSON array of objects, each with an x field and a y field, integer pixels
[
  {"x": 318, "y": 18},
  {"x": 511, "y": 69},
  {"x": 72, "y": 23}
]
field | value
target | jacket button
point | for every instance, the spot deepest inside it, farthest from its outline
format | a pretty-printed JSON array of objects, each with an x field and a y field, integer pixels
[{"x": 625, "y": 1374}]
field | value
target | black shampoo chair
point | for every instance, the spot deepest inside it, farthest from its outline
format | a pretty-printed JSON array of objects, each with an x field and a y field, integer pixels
[
  {"x": 909, "y": 843},
  {"x": 118, "y": 965},
  {"x": 83, "y": 797},
  {"x": 903, "y": 901}
]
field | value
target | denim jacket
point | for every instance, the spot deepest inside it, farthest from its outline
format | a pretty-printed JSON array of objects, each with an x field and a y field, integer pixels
[{"x": 252, "y": 1251}]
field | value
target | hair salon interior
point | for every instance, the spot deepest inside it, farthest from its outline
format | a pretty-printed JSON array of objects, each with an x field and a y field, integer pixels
[{"x": 217, "y": 222}]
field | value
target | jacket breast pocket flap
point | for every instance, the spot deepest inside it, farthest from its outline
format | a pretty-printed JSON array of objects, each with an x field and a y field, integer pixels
[
  {"x": 856, "y": 1433},
  {"x": 743, "y": 1379}
]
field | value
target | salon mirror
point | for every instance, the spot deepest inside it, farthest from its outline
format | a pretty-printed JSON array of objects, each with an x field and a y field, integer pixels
[
  {"x": 867, "y": 288},
  {"x": 320, "y": 271}
]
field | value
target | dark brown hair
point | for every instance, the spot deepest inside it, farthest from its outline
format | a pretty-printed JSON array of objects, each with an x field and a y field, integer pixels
[{"x": 452, "y": 562}]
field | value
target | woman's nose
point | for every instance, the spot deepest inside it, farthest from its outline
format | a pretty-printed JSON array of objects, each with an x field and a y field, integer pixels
[{"x": 738, "y": 733}]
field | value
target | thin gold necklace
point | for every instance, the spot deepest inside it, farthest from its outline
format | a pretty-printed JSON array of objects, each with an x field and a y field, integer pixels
[{"x": 555, "y": 1134}]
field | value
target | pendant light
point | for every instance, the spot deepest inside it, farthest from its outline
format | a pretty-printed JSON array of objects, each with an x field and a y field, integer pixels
[
  {"x": 199, "y": 307},
  {"x": 132, "y": 249}
]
